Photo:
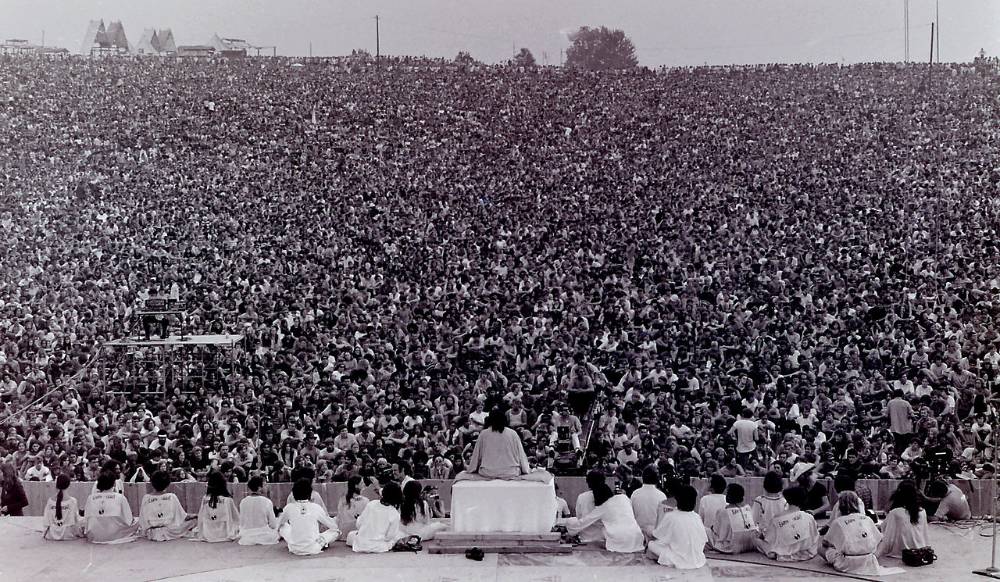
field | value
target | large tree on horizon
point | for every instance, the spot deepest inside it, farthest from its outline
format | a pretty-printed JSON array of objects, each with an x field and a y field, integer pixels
[{"x": 600, "y": 49}]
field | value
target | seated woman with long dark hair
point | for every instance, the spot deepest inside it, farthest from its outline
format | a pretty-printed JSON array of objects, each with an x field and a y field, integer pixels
[
  {"x": 62, "y": 516},
  {"x": 378, "y": 525},
  {"x": 905, "y": 526},
  {"x": 415, "y": 515},
  {"x": 218, "y": 518}
]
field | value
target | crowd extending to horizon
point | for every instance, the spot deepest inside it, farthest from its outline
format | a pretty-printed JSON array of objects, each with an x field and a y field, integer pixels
[{"x": 728, "y": 271}]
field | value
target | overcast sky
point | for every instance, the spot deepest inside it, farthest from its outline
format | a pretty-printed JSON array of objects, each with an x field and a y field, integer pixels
[{"x": 665, "y": 32}]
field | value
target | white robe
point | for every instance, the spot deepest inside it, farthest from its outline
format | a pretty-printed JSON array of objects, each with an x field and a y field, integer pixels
[
  {"x": 621, "y": 531},
  {"x": 299, "y": 527},
  {"x": 67, "y": 528},
  {"x": 258, "y": 525},
  {"x": 646, "y": 507},
  {"x": 899, "y": 534},
  {"x": 347, "y": 513},
  {"x": 584, "y": 505},
  {"x": 679, "y": 540},
  {"x": 766, "y": 508},
  {"x": 734, "y": 530},
  {"x": 220, "y": 523},
  {"x": 422, "y": 525},
  {"x": 850, "y": 545},
  {"x": 378, "y": 529},
  {"x": 708, "y": 509},
  {"x": 792, "y": 538},
  {"x": 109, "y": 519},
  {"x": 162, "y": 518}
]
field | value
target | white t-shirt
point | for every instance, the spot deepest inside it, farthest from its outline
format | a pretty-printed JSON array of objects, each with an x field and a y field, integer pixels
[{"x": 746, "y": 432}]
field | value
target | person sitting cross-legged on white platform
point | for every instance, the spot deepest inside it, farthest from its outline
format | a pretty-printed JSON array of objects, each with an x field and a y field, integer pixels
[
  {"x": 679, "y": 538},
  {"x": 614, "y": 512},
  {"x": 300, "y": 520},
  {"x": 499, "y": 454}
]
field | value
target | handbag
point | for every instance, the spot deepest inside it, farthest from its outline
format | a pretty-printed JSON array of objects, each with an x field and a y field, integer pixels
[{"x": 917, "y": 557}]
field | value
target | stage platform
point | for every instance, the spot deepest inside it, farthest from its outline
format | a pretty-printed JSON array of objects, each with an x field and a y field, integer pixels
[
  {"x": 25, "y": 556},
  {"x": 175, "y": 340}
]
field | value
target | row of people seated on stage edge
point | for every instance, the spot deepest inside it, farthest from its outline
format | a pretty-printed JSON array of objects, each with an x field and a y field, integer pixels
[
  {"x": 676, "y": 529},
  {"x": 398, "y": 520}
]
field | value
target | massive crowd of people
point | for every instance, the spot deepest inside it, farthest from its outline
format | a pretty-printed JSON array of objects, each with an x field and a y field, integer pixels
[{"x": 716, "y": 270}]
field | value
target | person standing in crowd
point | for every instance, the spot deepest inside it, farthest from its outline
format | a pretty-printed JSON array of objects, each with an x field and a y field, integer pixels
[
  {"x": 258, "y": 524},
  {"x": 62, "y": 517},
  {"x": 161, "y": 516},
  {"x": 218, "y": 518},
  {"x": 300, "y": 522},
  {"x": 745, "y": 430},
  {"x": 679, "y": 539},
  {"x": 900, "y": 415}
]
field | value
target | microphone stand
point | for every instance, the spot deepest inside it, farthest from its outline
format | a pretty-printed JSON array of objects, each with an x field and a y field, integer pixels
[{"x": 993, "y": 571}]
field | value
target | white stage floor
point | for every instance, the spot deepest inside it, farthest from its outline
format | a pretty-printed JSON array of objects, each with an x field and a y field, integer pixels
[{"x": 25, "y": 556}]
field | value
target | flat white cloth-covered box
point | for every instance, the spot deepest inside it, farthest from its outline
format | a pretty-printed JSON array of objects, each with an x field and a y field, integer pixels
[{"x": 503, "y": 506}]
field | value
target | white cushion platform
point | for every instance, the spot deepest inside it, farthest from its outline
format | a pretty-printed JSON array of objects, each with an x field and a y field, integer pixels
[{"x": 503, "y": 506}]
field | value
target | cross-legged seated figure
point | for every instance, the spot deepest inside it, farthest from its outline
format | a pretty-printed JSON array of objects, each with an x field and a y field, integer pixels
[
  {"x": 300, "y": 521},
  {"x": 499, "y": 454}
]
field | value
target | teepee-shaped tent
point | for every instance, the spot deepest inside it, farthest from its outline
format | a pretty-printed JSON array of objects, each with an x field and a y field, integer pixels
[
  {"x": 166, "y": 40},
  {"x": 117, "y": 38},
  {"x": 148, "y": 44},
  {"x": 94, "y": 37}
]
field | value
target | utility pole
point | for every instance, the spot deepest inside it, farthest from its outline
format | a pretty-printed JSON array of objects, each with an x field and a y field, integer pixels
[
  {"x": 560, "y": 57},
  {"x": 43, "y": 38},
  {"x": 906, "y": 30},
  {"x": 378, "y": 48},
  {"x": 310, "y": 50}
]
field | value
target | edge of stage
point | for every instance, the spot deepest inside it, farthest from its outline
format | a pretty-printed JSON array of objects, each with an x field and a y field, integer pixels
[{"x": 24, "y": 555}]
